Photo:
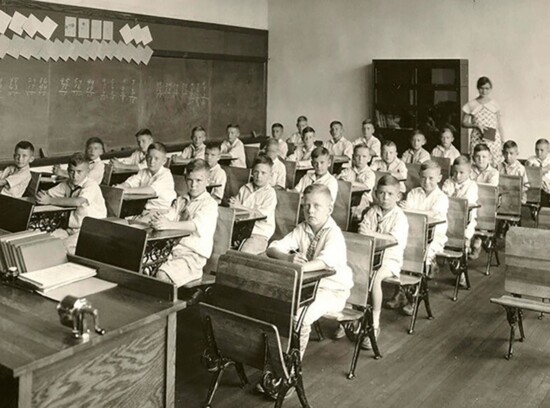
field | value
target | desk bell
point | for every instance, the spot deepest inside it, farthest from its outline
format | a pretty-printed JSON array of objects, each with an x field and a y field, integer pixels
[{"x": 73, "y": 312}]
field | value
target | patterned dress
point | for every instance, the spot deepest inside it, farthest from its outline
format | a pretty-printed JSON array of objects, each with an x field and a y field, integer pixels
[{"x": 485, "y": 114}]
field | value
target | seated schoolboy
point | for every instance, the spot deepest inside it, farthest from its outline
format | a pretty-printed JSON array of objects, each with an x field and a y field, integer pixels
[
  {"x": 339, "y": 145},
  {"x": 304, "y": 150},
  {"x": 196, "y": 212},
  {"x": 296, "y": 137},
  {"x": 460, "y": 185},
  {"x": 155, "y": 179},
  {"x": 390, "y": 163},
  {"x": 369, "y": 139},
  {"x": 15, "y": 178},
  {"x": 277, "y": 131},
  {"x": 320, "y": 160},
  {"x": 79, "y": 191},
  {"x": 318, "y": 243},
  {"x": 258, "y": 196},
  {"x": 385, "y": 217},
  {"x": 233, "y": 146},
  {"x": 197, "y": 147},
  {"x": 217, "y": 175},
  {"x": 94, "y": 149},
  {"x": 278, "y": 171},
  {"x": 482, "y": 171},
  {"x": 136, "y": 161},
  {"x": 446, "y": 148},
  {"x": 360, "y": 173},
  {"x": 542, "y": 159},
  {"x": 512, "y": 167},
  {"x": 416, "y": 154}
]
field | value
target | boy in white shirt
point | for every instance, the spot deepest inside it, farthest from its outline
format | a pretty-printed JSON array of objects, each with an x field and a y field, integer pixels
[
  {"x": 278, "y": 171},
  {"x": 303, "y": 152},
  {"x": 512, "y": 167},
  {"x": 360, "y": 173},
  {"x": 233, "y": 146},
  {"x": 390, "y": 163},
  {"x": 277, "y": 131},
  {"x": 78, "y": 191},
  {"x": 197, "y": 147},
  {"x": 482, "y": 171},
  {"x": 416, "y": 154},
  {"x": 369, "y": 139},
  {"x": 155, "y": 179},
  {"x": 296, "y": 137},
  {"x": 15, "y": 178},
  {"x": 320, "y": 160},
  {"x": 258, "y": 196},
  {"x": 94, "y": 149},
  {"x": 339, "y": 145},
  {"x": 318, "y": 243},
  {"x": 460, "y": 185},
  {"x": 542, "y": 159},
  {"x": 136, "y": 161},
  {"x": 446, "y": 148},
  {"x": 385, "y": 217},
  {"x": 217, "y": 174},
  {"x": 196, "y": 212}
]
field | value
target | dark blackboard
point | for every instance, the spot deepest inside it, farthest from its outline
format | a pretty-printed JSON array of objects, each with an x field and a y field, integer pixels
[{"x": 58, "y": 105}]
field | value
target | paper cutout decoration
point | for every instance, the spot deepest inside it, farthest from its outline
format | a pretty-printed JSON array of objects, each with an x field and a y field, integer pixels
[
  {"x": 108, "y": 30},
  {"x": 147, "y": 54},
  {"x": 55, "y": 49},
  {"x": 146, "y": 35},
  {"x": 70, "y": 26},
  {"x": 4, "y": 45},
  {"x": 135, "y": 33},
  {"x": 126, "y": 34},
  {"x": 5, "y": 20},
  {"x": 31, "y": 25},
  {"x": 15, "y": 46},
  {"x": 47, "y": 28},
  {"x": 83, "y": 28},
  {"x": 16, "y": 23},
  {"x": 96, "y": 30}
]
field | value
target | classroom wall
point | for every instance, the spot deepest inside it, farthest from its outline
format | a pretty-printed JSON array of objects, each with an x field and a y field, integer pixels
[
  {"x": 243, "y": 13},
  {"x": 321, "y": 53}
]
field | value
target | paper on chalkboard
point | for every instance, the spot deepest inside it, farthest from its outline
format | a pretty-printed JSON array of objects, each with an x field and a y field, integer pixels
[
  {"x": 65, "y": 50},
  {"x": 146, "y": 35},
  {"x": 117, "y": 50},
  {"x": 83, "y": 28},
  {"x": 16, "y": 23},
  {"x": 126, "y": 34},
  {"x": 490, "y": 134},
  {"x": 4, "y": 45},
  {"x": 85, "y": 50},
  {"x": 70, "y": 26},
  {"x": 147, "y": 54},
  {"x": 93, "y": 51},
  {"x": 135, "y": 32},
  {"x": 5, "y": 20},
  {"x": 100, "y": 50},
  {"x": 43, "y": 52},
  {"x": 54, "y": 49},
  {"x": 96, "y": 30},
  {"x": 47, "y": 28},
  {"x": 127, "y": 52},
  {"x": 31, "y": 25},
  {"x": 108, "y": 30},
  {"x": 15, "y": 46}
]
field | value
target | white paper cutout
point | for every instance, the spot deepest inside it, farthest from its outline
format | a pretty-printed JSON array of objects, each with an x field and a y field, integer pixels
[
  {"x": 16, "y": 23},
  {"x": 47, "y": 28}
]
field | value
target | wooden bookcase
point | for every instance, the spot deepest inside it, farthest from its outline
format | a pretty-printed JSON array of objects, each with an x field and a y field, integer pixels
[{"x": 420, "y": 94}]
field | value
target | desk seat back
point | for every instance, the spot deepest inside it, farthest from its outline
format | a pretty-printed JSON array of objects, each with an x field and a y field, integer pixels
[
  {"x": 417, "y": 243},
  {"x": 112, "y": 243},
  {"x": 534, "y": 176},
  {"x": 33, "y": 186},
  {"x": 360, "y": 255},
  {"x": 258, "y": 287},
  {"x": 342, "y": 205},
  {"x": 287, "y": 212},
  {"x": 510, "y": 189},
  {"x": 244, "y": 339},
  {"x": 107, "y": 173},
  {"x": 250, "y": 154},
  {"x": 544, "y": 218},
  {"x": 290, "y": 167},
  {"x": 457, "y": 220},
  {"x": 445, "y": 164},
  {"x": 236, "y": 178},
  {"x": 291, "y": 148},
  {"x": 222, "y": 238},
  {"x": 180, "y": 185},
  {"x": 378, "y": 175},
  {"x": 413, "y": 176},
  {"x": 113, "y": 197},
  {"x": 487, "y": 214},
  {"x": 15, "y": 214},
  {"x": 527, "y": 262}
]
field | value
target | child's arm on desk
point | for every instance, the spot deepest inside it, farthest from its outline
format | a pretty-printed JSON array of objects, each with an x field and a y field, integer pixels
[
  {"x": 161, "y": 222},
  {"x": 137, "y": 190},
  {"x": 42, "y": 197},
  {"x": 119, "y": 164}
]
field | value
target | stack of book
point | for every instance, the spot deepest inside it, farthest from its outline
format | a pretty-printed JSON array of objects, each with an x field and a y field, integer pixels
[{"x": 30, "y": 250}]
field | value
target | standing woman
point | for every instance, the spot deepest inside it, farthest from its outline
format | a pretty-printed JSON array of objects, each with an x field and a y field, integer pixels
[{"x": 480, "y": 114}]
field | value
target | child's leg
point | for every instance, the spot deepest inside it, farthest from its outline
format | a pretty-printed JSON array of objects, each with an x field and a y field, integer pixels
[
  {"x": 256, "y": 245},
  {"x": 326, "y": 301},
  {"x": 377, "y": 294},
  {"x": 182, "y": 269}
]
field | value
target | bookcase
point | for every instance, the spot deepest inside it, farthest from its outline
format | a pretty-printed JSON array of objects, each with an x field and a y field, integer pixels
[{"x": 420, "y": 94}]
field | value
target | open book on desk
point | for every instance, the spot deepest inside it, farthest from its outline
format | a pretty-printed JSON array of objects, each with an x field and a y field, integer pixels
[{"x": 54, "y": 277}]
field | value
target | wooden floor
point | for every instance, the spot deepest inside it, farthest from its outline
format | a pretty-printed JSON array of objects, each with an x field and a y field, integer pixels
[{"x": 456, "y": 360}]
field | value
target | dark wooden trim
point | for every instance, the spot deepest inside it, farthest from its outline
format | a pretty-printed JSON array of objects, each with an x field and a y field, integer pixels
[
  {"x": 111, "y": 14},
  {"x": 206, "y": 56}
]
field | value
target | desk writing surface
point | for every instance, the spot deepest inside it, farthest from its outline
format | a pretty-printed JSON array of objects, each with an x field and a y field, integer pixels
[
  {"x": 382, "y": 241},
  {"x": 432, "y": 221},
  {"x": 31, "y": 335},
  {"x": 137, "y": 197},
  {"x": 153, "y": 234},
  {"x": 312, "y": 276}
]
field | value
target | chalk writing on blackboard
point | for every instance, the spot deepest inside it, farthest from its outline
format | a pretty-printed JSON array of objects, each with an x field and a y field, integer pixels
[
  {"x": 23, "y": 87},
  {"x": 106, "y": 89},
  {"x": 195, "y": 93}
]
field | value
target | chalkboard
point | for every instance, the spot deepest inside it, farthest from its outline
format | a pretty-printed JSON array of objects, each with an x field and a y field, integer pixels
[{"x": 58, "y": 105}]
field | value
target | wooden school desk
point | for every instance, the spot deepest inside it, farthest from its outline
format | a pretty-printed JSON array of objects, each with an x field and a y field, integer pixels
[
  {"x": 357, "y": 190},
  {"x": 177, "y": 167},
  {"x": 432, "y": 222},
  {"x": 49, "y": 180},
  {"x": 48, "y": 217},
  {"x": 134, "y": 204},
  {"x": 119, "y": 175},
  {"x": 381, "y": 243},
  {"x": 337, "y": 164},
  {"x": 244, "y": 224},
  {"x": 131, "y": 365}
]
